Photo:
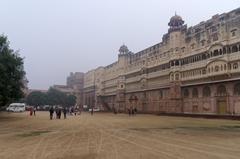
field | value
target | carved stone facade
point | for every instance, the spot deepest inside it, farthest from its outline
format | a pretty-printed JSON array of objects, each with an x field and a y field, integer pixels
[{"x": 193, "y": 70}]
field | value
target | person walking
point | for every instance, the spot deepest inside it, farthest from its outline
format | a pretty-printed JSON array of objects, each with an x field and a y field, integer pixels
[
  {"x": 59, "y": 113},
  {"x": 56, "y": 112},
  {"x": 132, "y": 111},
  {"x": 129, "y": 112},
  {"x": 31, "y": 111},
  {"x": 135, "y": 110},
  {"x": 34, "y": 111},
  {"x": 65, "y": 112},
  {"x": 92, "y": 111},
  {"x": 114, "y": 110},
  {"x": 51, "y": 111}
]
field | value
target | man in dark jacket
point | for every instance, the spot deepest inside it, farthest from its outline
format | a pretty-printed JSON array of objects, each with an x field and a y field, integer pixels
[
  {"x": 51, "y": 111},
  {"x": 65, "y": 112}
]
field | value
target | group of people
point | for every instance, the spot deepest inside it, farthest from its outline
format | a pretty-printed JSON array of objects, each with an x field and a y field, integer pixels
[
  {"x": 32, "y": 111},
  {"x": 74, "y": 110},
  {"x": 59, "y": 110},
  {"x": 132, "y": 111}
]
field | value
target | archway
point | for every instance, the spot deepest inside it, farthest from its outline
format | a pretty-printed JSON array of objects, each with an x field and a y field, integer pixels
[
  {"x": 237, "y": 89},
  {"x": 221, "y": 99},
  {"x": 195, "y": 93}
]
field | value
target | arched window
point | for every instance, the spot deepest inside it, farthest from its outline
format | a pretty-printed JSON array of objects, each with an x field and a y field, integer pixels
[
  {"x": 204, "y": 56},
  {"x": 220, "y": 52},
  {"x": 177, "y": 77},
  {"x": 160, "y": 94},
  {"x": 208, "y": 55},
  {"x": 224, "y": 50},
  {"x": 216, "y": 68},
  {"x": 229, "y": 66},
  {"x": 204, "y": 71},
  {"x": 237, "y": 89},
  {"x": 176, "y": 63},
  {"x": 229, "y": 50},
  {"x": 235, "y": 66},
  {"x": 206, "y": 91},
  {"x": 185, "y": 93},
  {"x": 215, "y": 53},
  {"x": 195, "y": 93},
  {"x": 234, "y": 48},
  {"x": 172, "y": 77},
  {"x": 221, "y": 90}
]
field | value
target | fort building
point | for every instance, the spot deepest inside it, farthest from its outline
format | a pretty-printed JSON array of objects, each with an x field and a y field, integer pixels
[{"x": 192, "y": 70}]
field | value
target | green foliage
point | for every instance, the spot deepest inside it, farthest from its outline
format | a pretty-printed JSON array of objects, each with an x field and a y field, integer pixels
[
  {"x": 56, "y": 97},
  {"x": 71, "y": 100},
  {"x": 36, "y": 98},
  {"x": 11, "y": 73},
  {"x": 52, "y": 97}
]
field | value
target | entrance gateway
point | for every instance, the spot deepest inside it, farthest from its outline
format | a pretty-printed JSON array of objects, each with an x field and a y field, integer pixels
[{"x": 222, "y": 107}]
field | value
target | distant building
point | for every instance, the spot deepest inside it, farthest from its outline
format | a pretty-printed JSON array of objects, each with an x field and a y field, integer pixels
[
  {"x": 93, "y": 87},
  {"x": 74, "y": 86},
  {"x": 76, "y": 81}
]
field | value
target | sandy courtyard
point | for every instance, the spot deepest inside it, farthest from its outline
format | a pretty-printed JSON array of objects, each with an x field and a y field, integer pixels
[{"x": 109, "y": 136}]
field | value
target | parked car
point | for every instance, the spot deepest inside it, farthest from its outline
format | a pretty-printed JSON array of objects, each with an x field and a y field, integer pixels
[
  {"x": 28, "y": 108},
  {"x": 94, "y": 109},
  {"x": 46, "y": 107},
  {"x": 16, "y": 107}
]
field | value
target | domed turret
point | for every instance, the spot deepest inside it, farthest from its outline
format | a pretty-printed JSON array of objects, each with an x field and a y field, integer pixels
[
  {"x": 123, "y": 49},
  {"x": 176, "y": 22}
]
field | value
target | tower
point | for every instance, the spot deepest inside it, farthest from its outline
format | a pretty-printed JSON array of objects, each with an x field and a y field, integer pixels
[
  {"x": 175, "y": 27},
  {"x": 123, "y": 58},
  {"x": 174, "y": 31},
  {"x": 123, "y": 55}
]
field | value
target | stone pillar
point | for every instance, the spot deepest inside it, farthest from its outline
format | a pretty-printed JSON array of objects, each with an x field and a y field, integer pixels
[{"x": 175, "y": 103}]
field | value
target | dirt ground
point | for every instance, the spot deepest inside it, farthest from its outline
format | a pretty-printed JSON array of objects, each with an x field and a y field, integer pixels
[{"x": 109, "y": 136}]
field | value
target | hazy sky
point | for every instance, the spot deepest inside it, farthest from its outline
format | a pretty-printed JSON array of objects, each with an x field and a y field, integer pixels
[{"x": 57, "y": 37}]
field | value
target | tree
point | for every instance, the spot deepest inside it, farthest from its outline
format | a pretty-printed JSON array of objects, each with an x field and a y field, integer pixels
[
  {"x": 52, "y": 97},
  {"x": 71, "y": 100},
  {"x": 56, "y": 97},
  {"x": 36, "y": 98},
  {"x": 12, "y": 73}
]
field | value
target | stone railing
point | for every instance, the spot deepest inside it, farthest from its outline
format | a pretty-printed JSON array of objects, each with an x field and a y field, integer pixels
[{"x": 158, "y": 74}]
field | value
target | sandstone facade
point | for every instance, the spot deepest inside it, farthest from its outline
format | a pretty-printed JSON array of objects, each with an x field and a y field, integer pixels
[{"x": 192, "y": 70}]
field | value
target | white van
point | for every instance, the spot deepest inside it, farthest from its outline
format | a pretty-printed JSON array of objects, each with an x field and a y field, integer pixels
[
  {"x": 94, "y": 109},
  {"x": 16, "y": 107}
]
